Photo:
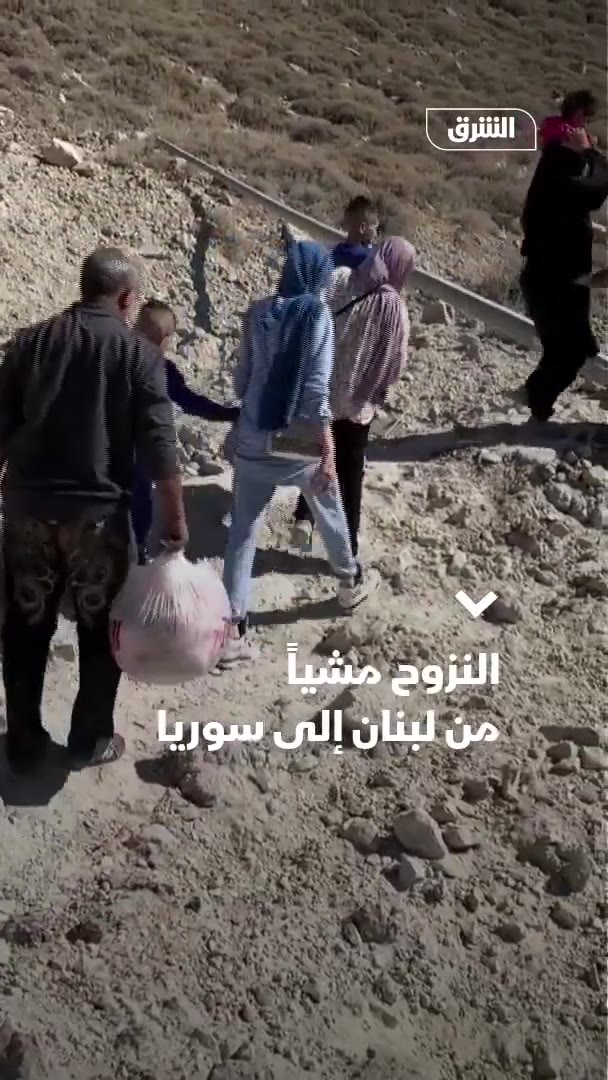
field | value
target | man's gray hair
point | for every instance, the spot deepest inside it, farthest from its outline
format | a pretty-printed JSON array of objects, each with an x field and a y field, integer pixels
[{"x": 106, "y": 274}]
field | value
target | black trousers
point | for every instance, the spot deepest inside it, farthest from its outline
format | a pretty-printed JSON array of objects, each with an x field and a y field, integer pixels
[
  {"x": 351, "y": 444},
  {"x": 560, "y": 311},
  {"x": 41, "y": 560}
]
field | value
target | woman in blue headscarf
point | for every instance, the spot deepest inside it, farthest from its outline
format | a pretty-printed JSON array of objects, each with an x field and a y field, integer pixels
[{"x": 283, "y": 380}]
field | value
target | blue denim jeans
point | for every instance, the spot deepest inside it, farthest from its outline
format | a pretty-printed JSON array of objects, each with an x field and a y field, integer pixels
[{"x": 254, "y": 484}]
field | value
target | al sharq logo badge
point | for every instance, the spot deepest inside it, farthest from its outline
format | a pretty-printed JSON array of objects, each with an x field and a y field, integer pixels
[{"x": 482, "y": 130}]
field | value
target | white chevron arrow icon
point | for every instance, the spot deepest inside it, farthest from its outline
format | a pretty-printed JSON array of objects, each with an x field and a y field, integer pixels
[{"x": 476, "y": 609}]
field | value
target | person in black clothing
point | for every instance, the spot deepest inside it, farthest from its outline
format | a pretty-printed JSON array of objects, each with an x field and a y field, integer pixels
[
  {"x": 79, "y": 394},
  {"x": 570, "y": 181}
]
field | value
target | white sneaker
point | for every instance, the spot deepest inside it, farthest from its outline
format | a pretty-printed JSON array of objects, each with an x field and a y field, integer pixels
[
  {"x": 238, "y": 650},
  {"x": 301, "y": 537},
  {"x": 351, "y": 593}
]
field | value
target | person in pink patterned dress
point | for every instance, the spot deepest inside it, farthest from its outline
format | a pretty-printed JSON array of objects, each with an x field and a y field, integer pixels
[{"x": 372, "y": 333}]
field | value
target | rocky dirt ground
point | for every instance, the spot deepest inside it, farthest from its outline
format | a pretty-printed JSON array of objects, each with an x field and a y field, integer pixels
[{"x": 263, "y": 914}]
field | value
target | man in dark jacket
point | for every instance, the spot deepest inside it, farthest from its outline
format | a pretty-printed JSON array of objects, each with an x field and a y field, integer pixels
[
  {"x": 79, "y": 394},
  {"x": 570, "y": 181}
]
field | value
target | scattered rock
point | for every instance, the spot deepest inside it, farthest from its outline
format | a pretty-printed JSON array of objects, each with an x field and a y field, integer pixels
[
  {"x": 580, "y": 736},
  {"x": 471, "y": 347},
  {"x": 594, "y": 759},
  {"x": 453, "y": 867},
  {"x": 575, "y": 871},
  {"x": 443, "y": 813},
  {"x": 313, "y": 989},
  {"x": 459, "y": 838},
  {"x": 560, "y": 496},
  {"x": 460, "y": 517},
  {"x": 381, "y": 779},
  {"x": 534, "y": 455},
  {"x": 544, "y": 1065},
  {"x": 599, "y": 517},
  {"x": 64, "y": 646},
  {"x": 5, "y": 953},
  {"x": 561, "y": 751},
  {"x": 511, "y": 933},
  {"x": 419, "y": 835},
  {"x": 564, "y": 916},
  {"x": 387, "y": 1018},
  {"x": 192, "y": 437},
  {"x": 471, "y": 901},
  {"x": 27, "y": 931},
  {"x": 248, "y": 1013},
  {"x": 262, "y": 780},
  {"x": 87, "y": 931},
  {"x": 376, "y": 924},
  {"x": 539, "y": 851},
  {"x": 557, "y": 528},
  {"x": 475, "y": 790},
  {"x": 194, "y": 791},
  {"x": 234, "y": 1070},
  {"x": 510, "y": 779},
  {"x": 411, "y": 870},
  {"x": 595, "y": 476},
  {"x": 351, "y": 934},
  {"x": 593, "y": 583},
  {"x": 564, "y": 756},
  {"x": 490, "y": 457},
  {"x": 264, "y": 997},
  {"x": 385, "y": 989},
  {"x": 503, "y": 611},
  {"x": 588, "y": 794},
  {"x": 362, "y": 834},
  {"x": 152, "y": 835},
  {"x": 20, "y": 1055},
  {"x": 437, "y": 312},
  {"x": 304, "y": 763},
  {"x": 62, "y": 154},
  {"x": 525, "y": 542}
]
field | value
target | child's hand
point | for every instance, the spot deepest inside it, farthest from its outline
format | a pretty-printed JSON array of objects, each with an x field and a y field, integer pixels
[{"x": 578, "y": 139}]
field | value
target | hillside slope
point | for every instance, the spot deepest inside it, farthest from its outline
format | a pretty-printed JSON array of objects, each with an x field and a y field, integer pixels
[
  {"x": 314, "y": 100},
  {"x": 260, "y": 921}
]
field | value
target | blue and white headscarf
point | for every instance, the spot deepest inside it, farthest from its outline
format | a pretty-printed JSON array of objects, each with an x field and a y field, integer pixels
[{"x": 297, "y": 308}]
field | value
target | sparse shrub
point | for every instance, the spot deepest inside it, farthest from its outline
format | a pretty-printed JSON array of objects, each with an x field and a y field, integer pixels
[
  {"x": 517, "y": 8},
  {"x": 258, "y": 111},
  {"x": 403, "y": 138},
  {"x": 500, "y": 282},
  {"x": 476, "y": 221},
  {"x": 308, "y": 197},
  {"x": 228, "y": 235},
  {"x": 312, "y": 131},
  {"x": 341, "y": 111}
]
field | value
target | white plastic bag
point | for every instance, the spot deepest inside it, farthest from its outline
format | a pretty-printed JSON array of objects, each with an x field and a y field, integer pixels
[{"x": 170, "y": 622}]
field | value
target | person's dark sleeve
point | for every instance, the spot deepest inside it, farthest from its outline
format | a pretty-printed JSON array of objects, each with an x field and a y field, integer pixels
[
  {"x": 154, "y": 426},
  {"x": 588, "y": 192},
  {"x": 11, "y": 391},
  {"x": 193, "y": 403}
]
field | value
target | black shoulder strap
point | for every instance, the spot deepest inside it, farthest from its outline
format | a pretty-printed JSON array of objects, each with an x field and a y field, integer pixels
[{"x": 357, "y": 300}]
